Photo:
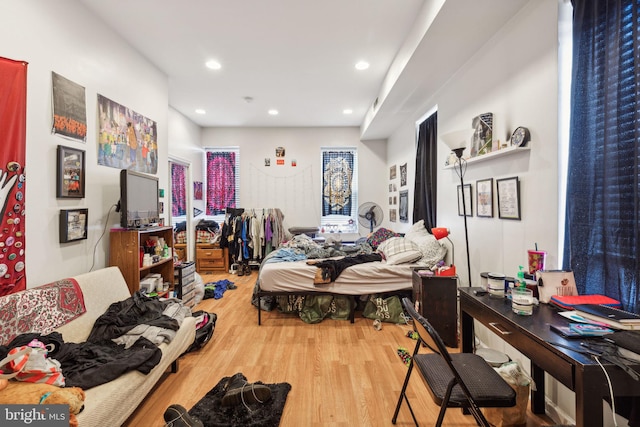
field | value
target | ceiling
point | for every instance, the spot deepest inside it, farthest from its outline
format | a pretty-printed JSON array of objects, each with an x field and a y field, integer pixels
[
  {"x": 296, "y": 56},
  {"x": 299, "y": 56}
]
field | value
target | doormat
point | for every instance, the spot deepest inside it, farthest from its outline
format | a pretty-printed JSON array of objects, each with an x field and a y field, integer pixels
[{"x": 210, "y": 411}]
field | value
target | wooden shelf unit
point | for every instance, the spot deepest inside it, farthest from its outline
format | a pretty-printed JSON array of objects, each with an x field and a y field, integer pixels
[
  {"x": 211, "y": 257},
  {"x": 124, "y": 253}
]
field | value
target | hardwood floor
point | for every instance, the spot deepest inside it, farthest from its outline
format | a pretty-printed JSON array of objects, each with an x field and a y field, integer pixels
[{"x": 341, "y": 374}]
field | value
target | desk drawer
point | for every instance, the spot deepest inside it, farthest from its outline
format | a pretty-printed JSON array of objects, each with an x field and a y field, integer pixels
[
  {"x": 557, "y": 367},
  {"x": 209, "y": 253}
]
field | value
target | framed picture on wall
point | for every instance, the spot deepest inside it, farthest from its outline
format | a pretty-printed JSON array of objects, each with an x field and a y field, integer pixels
[
  {"x": 484, "y": 197},
  {"x": 70, "y": 173},
  {"x": 508, "y": 198},
  {"x": 73, "y": 224},
  {"x": 467, "y": 206},
  {"x": 403, "y": 208}
]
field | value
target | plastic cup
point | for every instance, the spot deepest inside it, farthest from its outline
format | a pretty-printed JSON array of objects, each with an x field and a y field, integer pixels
[
  {"x": 536, "y": 260},
  {"x": 522, "y": 301}
]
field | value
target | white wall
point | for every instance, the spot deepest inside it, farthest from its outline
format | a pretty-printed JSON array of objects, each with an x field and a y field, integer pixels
[
  {"x": 515, "y": 77},
  {"x": 62, "y": 36},
  {"x": 519, "y": 86},
  {"x": 297, "y": 190}
]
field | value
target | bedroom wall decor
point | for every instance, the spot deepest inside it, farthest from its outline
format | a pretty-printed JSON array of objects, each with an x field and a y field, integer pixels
[
  {"x": 73, "y": 224},
  {"x": 484, "y": 195},
  {"x": 70, "y": 177},
  {"x": 468, "y": 206},
  {"x": 126, "y": 139},
  {"x": 481, "y": 142},
  {"x": 69, "y": 108},
  {"x": 508, "y": 198},
  {"x": 197, "y": 190},
  {"x": 404, "y": 206},
  {"x": 13, "y": 125},
  {"x": 403, "y": 175}
]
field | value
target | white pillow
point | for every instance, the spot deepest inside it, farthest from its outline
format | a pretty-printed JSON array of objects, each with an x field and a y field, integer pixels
[
  {"x": 432, "y": 251},
  {"x": 398, "y": 250}
]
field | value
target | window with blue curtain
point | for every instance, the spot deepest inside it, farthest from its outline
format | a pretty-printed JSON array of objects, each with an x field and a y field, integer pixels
[{"x": 603, "y": 182}]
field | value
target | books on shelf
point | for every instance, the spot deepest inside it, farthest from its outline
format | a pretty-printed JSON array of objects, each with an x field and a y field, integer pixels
[{"x": 614, "y": 317}]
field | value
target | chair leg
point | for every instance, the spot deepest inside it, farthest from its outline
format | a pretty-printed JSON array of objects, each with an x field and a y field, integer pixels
[
  {"x": 445, "y": 402},
  {"x": 403, "y": 393}
]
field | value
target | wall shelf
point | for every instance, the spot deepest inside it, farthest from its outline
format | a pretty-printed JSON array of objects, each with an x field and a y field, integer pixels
[{"x": 494, "y": 154}]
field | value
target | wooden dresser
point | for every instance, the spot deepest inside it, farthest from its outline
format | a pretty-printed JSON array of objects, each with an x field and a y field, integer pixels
[{"x": 211, "y": 258}]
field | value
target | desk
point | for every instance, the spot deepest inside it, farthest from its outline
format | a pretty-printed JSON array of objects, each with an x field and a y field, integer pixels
[{"x": 531, "y": 336}]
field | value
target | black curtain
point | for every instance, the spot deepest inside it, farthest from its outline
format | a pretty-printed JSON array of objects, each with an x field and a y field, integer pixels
[
  {"x": 602, "y": 219},
  {"x": 425, "y": 200}
]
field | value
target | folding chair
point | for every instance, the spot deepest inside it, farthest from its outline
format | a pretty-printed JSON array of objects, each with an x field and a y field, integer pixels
[{"x": 462, "y": 380}]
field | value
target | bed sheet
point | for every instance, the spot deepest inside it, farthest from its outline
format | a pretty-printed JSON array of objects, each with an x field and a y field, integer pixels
[{"x": 361, "y": 279}]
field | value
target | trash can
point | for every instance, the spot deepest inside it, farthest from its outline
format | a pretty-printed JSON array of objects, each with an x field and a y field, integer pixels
[{"x": 521, "y": 383}]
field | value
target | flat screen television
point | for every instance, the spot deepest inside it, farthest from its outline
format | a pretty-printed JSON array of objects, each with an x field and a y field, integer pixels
[{"x": 138, "y": 199}]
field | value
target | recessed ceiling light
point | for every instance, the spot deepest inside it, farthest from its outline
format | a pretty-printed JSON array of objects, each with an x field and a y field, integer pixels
[
  {"x": 347, "y": 111},
  {"x": 213, "y": 64},
  {"x": 362, "y": 65},
  {"x": 200, "y": 111},
  {"x": 273, "y": 112}
]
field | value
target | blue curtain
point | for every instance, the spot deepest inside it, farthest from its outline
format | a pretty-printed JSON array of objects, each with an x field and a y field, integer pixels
[
  {"x": 337, "y": 182},
  {"x": 602, "y": 220}
]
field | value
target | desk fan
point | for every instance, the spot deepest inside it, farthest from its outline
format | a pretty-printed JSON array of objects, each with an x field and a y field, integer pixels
[{"x": 370, "y": 215}]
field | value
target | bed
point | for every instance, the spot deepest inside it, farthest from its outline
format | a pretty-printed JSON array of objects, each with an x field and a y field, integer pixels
[{"x": 289, "y": 271}]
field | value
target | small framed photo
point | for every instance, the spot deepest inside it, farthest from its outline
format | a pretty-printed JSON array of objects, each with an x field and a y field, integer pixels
[
  {"x": 70, "y": 173},
  {"x": 403, "y": 208},
  {"x": 466, "y": 207},
  {"x": 509, "y": 198},
  {"x": 484, "y": 198},
  {"x": 73, "y": 224}
]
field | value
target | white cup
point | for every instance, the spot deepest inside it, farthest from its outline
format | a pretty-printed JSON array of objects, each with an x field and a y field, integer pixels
[{"x": 522, "y": 301}]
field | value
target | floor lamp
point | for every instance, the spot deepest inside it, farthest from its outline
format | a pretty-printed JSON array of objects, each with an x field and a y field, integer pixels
[{"x": 457, "y": 141}]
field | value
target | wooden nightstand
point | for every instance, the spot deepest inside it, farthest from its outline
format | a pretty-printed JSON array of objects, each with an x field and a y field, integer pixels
[
  {"x": 436, "y": 298},
  {"x": 211, "y": 258}
]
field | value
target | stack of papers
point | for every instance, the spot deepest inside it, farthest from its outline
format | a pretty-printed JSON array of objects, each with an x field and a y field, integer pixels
[{"x": 612, "y": 317}]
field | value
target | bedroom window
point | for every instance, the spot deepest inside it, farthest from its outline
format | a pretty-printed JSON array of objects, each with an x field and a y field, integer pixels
[
  {"x": 339, "y": 190},
  {"x": 603, "y": 190},
  {"x": 222, "y": 167}
]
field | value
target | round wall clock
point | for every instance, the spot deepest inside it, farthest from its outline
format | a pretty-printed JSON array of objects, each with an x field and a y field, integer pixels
[{"x": 520, "y": 137}]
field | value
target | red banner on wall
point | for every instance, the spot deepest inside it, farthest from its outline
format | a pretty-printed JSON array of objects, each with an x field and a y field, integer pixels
[{"x": 13, "y": 126}]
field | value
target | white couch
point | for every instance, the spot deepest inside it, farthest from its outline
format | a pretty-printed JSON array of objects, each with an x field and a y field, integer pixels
[{"x": 111, "y": 404}]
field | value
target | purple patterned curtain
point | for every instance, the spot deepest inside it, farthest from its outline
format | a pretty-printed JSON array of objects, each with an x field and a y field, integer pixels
[
  {"x": 178, "y": 190},
  {"x": 221, "y": 181}
]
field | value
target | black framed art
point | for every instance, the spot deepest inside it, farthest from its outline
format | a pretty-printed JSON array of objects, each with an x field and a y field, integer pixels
[
  {"x": 70, "y": 173},
  {"x": 484, "y": 198},
  {"x": 73, "y": 224},
  {"x": 508, "y": 198},
  {"x": 468, "y": 205}
]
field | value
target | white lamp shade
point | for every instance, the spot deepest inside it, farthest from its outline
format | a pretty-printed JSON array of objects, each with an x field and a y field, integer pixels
[{"x": 458, "y": 139}]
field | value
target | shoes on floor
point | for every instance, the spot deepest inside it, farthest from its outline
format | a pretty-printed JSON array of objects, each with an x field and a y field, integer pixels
[
  {"x": 177, "y": 416},
  {"x": 239, "y": 391}
]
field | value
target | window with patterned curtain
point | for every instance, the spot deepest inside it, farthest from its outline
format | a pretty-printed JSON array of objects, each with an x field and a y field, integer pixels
[
  {"x": 339, "y": 189},
  {"x": 178, "y": 190},
  {"x": 222, "y": 166}
]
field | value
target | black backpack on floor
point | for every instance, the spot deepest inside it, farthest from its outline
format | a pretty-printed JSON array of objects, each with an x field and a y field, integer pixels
[{"x": 204, "y": 330}]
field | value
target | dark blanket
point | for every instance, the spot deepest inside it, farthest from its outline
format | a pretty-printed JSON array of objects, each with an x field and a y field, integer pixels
[
  {"x": 210, "y": 411},
  {"x": 124, "y": 315},
  {"x": 89, "y": 364}
]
